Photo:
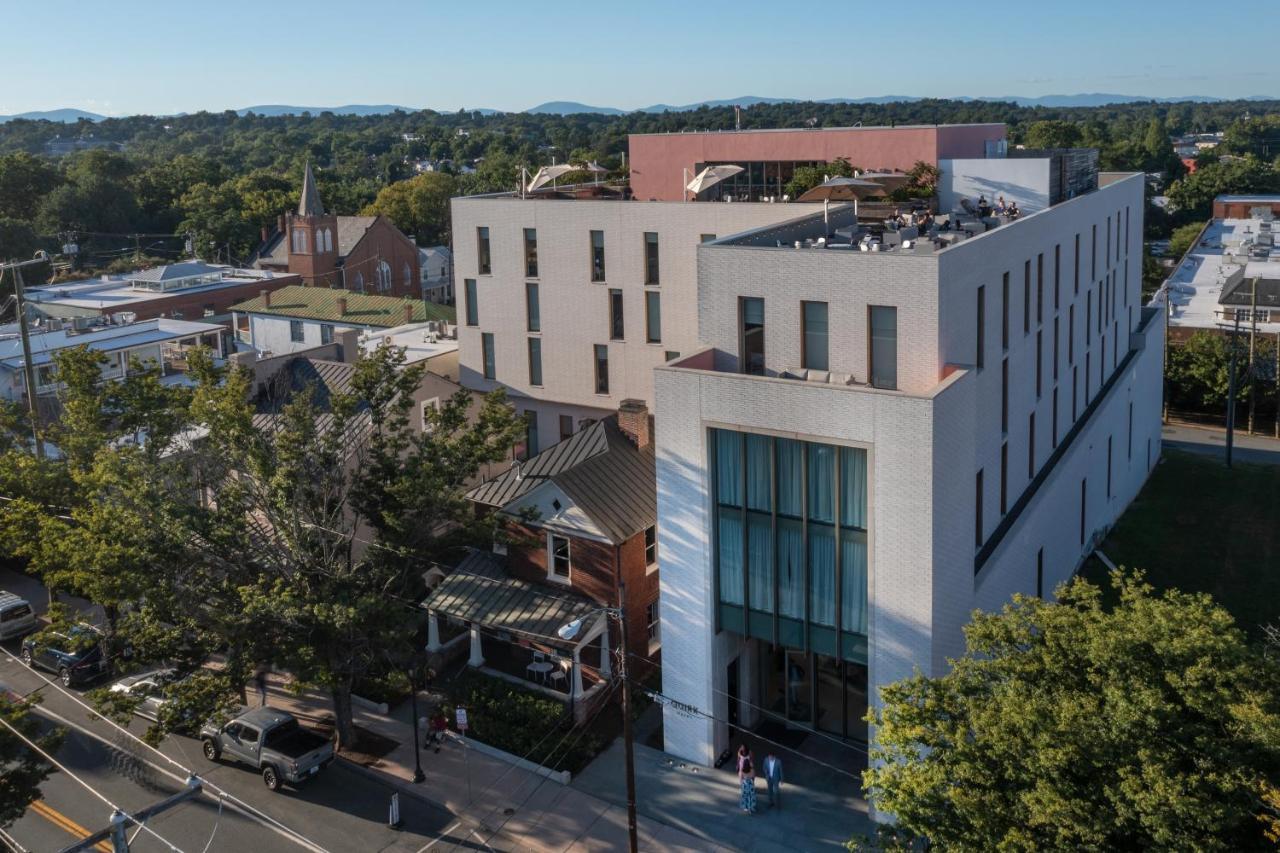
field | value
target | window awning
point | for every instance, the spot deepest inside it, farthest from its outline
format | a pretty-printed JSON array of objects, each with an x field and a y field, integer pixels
[{"x": 479, "y": 590}]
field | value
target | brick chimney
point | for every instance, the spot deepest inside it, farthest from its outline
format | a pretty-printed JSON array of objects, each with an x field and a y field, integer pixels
[
  {"x": 408, "y": 312},
  {"x": 266, "y": 298},
  {"x": 342, "y": 306},
  {"x": 633, "y": 419}
]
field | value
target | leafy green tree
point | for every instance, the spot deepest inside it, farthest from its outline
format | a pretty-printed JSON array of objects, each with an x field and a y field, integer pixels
[
  {"x": 1053, "y": 134},
  {"x": 346, "y": 505},
  {"x": 418, "y": 206},
  {"x": 1150, "y": 724},
  {"x": 24, "y": 769},
  {"x": 1192, "y": 195},
  {"x": 24, "y": 181},
  {"x": 17, "y": 240},
  {"x": 1183, "y": 238}
]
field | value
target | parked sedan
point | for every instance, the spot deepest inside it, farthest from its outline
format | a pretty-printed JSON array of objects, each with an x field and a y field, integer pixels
[
  {"x": 76, "y": 655},
  {"x": 152, "y": 688}
]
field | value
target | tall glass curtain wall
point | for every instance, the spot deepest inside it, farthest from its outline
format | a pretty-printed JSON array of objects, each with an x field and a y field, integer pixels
[{"x": 791, "y": 542}]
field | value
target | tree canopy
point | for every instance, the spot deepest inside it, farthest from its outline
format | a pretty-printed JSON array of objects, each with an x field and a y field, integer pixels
[{"x": 1150, "y": 724}]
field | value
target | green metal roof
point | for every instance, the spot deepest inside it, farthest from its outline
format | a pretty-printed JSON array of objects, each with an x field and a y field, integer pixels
[{"x": 363, "y": 309}]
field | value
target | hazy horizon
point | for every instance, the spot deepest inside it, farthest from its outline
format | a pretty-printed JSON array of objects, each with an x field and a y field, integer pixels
[{"x": 152, "y": 58}]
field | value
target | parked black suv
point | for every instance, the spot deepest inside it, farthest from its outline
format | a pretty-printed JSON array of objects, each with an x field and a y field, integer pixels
[{"x": 76, "y": 654}]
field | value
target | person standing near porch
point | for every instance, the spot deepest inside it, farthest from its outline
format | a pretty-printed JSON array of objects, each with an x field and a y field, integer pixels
[
  {"x": 747, "y": 778},
  {"x": 773, "y": 778}
]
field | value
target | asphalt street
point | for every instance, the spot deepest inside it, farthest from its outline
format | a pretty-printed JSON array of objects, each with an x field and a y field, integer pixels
[{"x": 339, "y": 810}]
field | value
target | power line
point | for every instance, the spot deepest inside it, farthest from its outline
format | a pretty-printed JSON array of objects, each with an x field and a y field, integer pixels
[
  {"x": 92, "y": 790},
  {"x": 262, "y": 816}
]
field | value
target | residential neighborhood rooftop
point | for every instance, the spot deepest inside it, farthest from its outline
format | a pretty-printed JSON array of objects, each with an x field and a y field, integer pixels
[
  {"x": 116, "y": 292},
  {"x": 105, "y": 339},
  {"x": 361, "y": 309},
  {"x": 1219, "y": 269},
  {"x": 599, "y": 468},
  {"x": 420, "y": 341}
]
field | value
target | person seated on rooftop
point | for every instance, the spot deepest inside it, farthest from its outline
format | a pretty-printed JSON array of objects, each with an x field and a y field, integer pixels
[
  {"x": 1001, "y": 207},
  {"x": 984, "y": 206},
  {"x": 1013, "y": 211}
]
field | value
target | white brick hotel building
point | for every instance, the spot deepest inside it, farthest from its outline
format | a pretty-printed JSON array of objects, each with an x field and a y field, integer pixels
[
  {"x": 855, "y": 449},
  {"x": 870, "y": 445}
]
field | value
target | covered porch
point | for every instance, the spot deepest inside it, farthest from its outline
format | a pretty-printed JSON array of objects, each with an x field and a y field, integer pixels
[{"x": 511, "y": 630}]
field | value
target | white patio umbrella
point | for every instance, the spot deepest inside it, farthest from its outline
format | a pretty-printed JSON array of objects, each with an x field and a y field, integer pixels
[
  {"x": 842, "y": 189},
  {"x": 547, "y": 174},
  {"x": 711, "y": 176}
]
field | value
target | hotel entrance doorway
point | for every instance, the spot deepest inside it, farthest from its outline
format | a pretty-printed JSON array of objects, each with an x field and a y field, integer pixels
[{"x": 810, "y": 690}]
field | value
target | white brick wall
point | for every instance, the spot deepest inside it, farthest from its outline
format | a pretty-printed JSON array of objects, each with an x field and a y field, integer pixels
[
  {"x": 575, "y": 310},
  {"x": 926, "y": 442}
]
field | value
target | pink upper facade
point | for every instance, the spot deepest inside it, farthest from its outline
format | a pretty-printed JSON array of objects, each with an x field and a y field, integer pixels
[{"x": 658, "y": 160}]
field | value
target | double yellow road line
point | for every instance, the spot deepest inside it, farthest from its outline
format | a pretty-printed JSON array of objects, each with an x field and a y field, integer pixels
[{"x": 66, "y": 824}]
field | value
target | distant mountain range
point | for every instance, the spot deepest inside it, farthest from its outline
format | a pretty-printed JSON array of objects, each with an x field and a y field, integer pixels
[{"x": 1089, "y": 99}]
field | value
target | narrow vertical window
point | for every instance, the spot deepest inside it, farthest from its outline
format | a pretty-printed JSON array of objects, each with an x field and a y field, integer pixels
[
  {"x": 533, "y": 311},
  {"x": 602, "y": 368},
  {"x": 1055, "y": 348},
  {"x": 813, "y": 318},
  {"x": 1129, "y": 441},
  {"x": 1093, "y": 255},
  {"x": 597, "y": 256},
  {"x": 884, "y": 346},
  {"x": 616, "y": 326},
  {"x": 1071, "y": 334},
  {"x": 558, "y": 556},
  {"x": 483, "y": 258},
  {"x": 1026, "y": 298},
  {"x": 530, "y": 433},
  {"x": 531, "y": 252},
  {"x": 1075, "y": 266},
  {"x": 977, "y": 510},
  {"x": 473, "y": 307},
  {"x": 1057, "y": 276},
  {"x": 486, "y": 345},
  {"x": 1088, "y": 377},
  {"x": 1004, "y": 312},
  {"x": 1075, "y": 392},
  {"x": 1053, "y": 432},
  {"x": 650, "y": 257},
  {"x": 535, "y": 361},
  {"x": 1040, "y": 288},
  {"x": 1040, "y": 573},
  {"x": 1004, "y": 395},
  {"x": 1107, "y": 254},
  {"x": 653, "y": 317},
  {"x": 1004, "y": 478},
  {"x": 1039, "y": 363},
  {"x": 751, "y": 335},
  {"x": 1031, "y": 446},
  {"x": 1088, "y": 318},
  {"x": 566, "y": 427},
  {"x": 982, "y": 321}
]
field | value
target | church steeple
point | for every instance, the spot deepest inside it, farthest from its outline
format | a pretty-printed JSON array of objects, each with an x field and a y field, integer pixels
[{"x": 309, "y": 204}]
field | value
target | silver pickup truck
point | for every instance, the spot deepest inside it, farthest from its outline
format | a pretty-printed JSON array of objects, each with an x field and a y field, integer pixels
[{"x": 271, "y": 741}]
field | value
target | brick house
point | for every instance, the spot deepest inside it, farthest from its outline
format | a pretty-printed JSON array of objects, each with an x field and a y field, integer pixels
[
  {"x": 364, "y": 254},
  {"x": 581, "y": 516}
]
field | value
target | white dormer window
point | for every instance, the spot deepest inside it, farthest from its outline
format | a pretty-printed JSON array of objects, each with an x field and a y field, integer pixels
[{"x": 558, "y": 562}]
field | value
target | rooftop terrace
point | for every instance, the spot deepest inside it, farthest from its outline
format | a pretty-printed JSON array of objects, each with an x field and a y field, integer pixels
[{"x": 1218, "y": 271}]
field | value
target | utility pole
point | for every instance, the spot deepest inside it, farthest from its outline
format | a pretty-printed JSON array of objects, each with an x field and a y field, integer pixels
[
  {"x": 1253, "y": 336},
  {"x": 28, "y": 368},
  {"x": 1231, "y": 389},
  {"x": 117, "y": 829},
  {"x": 627, "y": 741}
]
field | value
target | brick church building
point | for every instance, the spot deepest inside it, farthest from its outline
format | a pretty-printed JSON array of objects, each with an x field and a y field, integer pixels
[{"x": 365, "y": 254}]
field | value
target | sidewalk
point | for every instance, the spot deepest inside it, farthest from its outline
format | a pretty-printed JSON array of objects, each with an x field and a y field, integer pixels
[
  {"x": 1212, "y": 441},
  {"x": 497, "y": 805}
]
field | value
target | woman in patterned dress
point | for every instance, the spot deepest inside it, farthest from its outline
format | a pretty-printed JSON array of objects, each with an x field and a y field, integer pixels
[{"x": 747, "y": 776}]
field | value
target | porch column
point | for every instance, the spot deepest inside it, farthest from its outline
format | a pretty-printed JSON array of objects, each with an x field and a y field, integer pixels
[
  {"x": 433, "y": 631},
  {"x": 477, "y": 656},
  {"x": 576, "y": 689},
  {"x": 606, "y": 660}
]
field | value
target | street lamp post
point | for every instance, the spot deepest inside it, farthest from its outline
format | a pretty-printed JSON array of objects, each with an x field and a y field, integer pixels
[
  {"x": 418, "y": 775},
  {"x": 571, "y": 630}
]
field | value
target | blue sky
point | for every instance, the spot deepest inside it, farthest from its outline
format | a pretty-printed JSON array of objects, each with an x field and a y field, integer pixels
[{"x": 132, "y": 56}]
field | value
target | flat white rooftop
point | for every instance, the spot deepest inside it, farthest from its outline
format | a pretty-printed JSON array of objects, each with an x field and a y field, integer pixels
[
  {"x": 108, "y": 294},
  {"x": 413, "y": 338},
  {"x": 1195, "y": 287},
  {"x": 108, "y": 339}
]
